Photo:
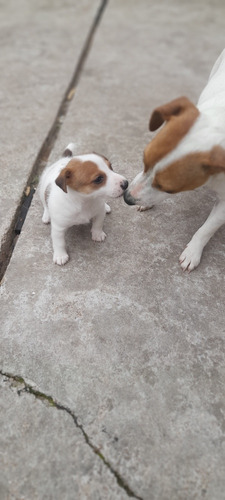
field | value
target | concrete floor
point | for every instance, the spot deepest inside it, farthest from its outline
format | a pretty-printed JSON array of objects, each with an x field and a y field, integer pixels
[{"x": 112, "y": 367}]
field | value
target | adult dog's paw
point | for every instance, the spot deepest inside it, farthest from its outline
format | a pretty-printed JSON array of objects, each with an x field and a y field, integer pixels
[{"x": 190, "y": 257}]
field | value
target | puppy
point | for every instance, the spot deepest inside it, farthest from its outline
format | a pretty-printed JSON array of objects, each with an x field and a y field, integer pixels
[
  {"x": 188, "y": 152},
  {"x": 74, "y": 191}
]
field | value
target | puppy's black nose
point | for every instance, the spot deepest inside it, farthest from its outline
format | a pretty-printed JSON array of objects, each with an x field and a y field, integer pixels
[{"x": 124, "y": 185}]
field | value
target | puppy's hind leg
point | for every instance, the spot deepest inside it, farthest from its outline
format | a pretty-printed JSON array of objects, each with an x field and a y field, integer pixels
[
  {"x": 46, "y": 217},
  {"x": 44, "y": 195}
]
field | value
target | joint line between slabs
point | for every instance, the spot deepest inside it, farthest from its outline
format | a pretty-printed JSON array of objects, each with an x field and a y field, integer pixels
[{"x": 10, "y": 238}]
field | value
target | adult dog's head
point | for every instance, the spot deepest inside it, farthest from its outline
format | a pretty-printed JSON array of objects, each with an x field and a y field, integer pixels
[{"x": 181, "y": 157}]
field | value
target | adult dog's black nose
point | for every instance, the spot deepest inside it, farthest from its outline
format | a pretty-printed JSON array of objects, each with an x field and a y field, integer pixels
[
  {"x": 128, "y": 198},
  {"x": 124, "y": 185}
]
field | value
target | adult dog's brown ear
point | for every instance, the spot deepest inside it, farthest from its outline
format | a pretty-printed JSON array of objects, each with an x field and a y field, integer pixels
[
  {"x": 63, "y": 177},
  {"x": 166, "y": 111},
  {"x": 179, "y": 115}
]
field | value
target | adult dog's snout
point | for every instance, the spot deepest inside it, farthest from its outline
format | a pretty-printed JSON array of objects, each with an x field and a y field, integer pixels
[{"x": 128, "y": 198}]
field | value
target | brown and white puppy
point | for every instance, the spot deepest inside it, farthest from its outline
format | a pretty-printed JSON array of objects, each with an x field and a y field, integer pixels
[
  {"x": 74, "y": 191},
  {"x": 188, "y": 152}
]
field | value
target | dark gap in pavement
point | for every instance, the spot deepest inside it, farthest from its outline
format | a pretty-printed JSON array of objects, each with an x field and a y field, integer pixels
[
  {"x": 11, "y": 236},
  {"x": 49, "y": 399}
]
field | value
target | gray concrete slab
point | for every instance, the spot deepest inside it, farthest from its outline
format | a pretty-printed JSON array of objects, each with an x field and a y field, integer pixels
[
  {"x": 41, "y": 43},
  {"x": 134, "y": 347},
  {"x": 47, "y": 457}
]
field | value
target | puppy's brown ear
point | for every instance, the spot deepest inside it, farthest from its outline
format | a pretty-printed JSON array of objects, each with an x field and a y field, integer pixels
[
  {"x": 63, "y": 178},
  {"x": 166, "y": 111}
]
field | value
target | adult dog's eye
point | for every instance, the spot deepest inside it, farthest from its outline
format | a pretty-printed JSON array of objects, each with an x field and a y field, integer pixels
[
  {"x": 99, "y": 179},
  {"x": 156, "y": 185}
]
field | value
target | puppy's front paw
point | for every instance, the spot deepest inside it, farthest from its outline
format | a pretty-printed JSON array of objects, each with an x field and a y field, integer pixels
[
  {"x": 98, "y": 235},
  {"x": 60, "y": 258},
  {"x": 190, "y": 257}
]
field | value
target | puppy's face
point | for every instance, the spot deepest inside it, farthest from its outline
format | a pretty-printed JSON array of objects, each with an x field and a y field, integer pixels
[
  {"x": 164, "y": 172},
  {"x": 91, "y": 175}
]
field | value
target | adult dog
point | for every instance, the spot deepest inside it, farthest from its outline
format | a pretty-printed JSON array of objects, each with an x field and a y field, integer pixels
[{"x": 188, "y": 151}]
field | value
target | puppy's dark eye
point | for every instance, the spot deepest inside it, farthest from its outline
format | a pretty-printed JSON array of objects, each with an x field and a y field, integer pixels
[{"x": 99, "y": 179}]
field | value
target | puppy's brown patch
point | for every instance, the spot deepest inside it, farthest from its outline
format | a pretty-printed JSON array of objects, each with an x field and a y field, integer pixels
[
  {"x": 84, "y": 177},
  {"x": 191, "y": 171},
  {"x": 180, "y": 115}
]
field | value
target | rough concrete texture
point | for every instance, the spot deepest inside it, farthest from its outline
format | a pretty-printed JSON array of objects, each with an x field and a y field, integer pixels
[
  {"x": 46, "y": 453},
  {"x": 41, "y": 43},
  {"x": 120, "y": 336}
]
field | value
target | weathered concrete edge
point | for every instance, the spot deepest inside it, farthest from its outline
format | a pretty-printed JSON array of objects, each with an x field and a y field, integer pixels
[
  {"x": 10, "y": 237},
  {"x": 24, "y": 386}
]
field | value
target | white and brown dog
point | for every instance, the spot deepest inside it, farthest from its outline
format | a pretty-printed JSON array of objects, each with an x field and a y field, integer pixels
[
  {"x": 74, "y": 191},
  {"x": 188, "y": 151}
]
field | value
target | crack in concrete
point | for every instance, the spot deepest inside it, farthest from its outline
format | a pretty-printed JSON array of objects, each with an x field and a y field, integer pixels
[
  {"x": 10, "y": 238},
  {"x": 53, "y": 403}
]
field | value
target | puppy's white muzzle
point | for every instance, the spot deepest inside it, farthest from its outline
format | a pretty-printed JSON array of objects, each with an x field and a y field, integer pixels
[{"x": 117, "y": 185}]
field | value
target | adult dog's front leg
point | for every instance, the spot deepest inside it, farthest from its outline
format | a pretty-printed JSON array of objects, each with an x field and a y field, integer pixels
[{"x": 191, "y": 256}]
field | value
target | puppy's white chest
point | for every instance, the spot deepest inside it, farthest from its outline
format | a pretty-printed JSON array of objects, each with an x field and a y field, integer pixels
[
  {"x": 80, "y": 217},
  {"x": 70, "y": 210}
]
